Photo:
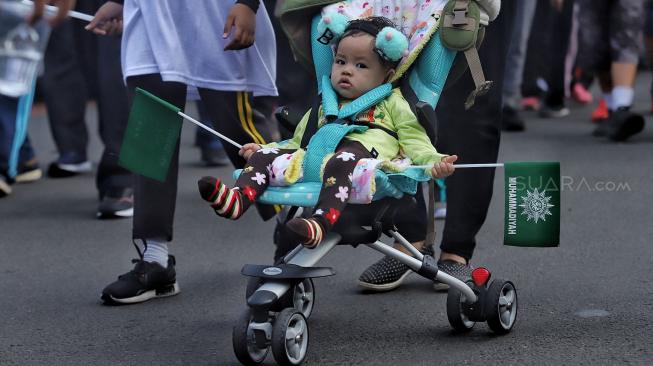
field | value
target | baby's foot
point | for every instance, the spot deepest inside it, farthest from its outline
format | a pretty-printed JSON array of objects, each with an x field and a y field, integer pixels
[
  {"x": 226, "y": 201},
  {"x": 308, "y": 232}
]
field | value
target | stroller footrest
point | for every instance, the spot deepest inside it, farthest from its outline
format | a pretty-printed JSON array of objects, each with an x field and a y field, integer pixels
[{"x": 285, "y": 271}]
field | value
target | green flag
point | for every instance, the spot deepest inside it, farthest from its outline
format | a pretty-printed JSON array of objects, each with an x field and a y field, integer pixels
[
  {"x": 152, "y": 135},
  {"x": 532, "y": 204}
]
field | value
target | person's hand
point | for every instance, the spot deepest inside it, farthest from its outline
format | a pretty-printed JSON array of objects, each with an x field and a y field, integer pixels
[
  {"x": 107, "y": 20},
  {"x": 248, "y": 149},
  {"x": 244, "y": 19},
  {"x": 39, "y": 6},
  {"x": 444, "y": 168}
]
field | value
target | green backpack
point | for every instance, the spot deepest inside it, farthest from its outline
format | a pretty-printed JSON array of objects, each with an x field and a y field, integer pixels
[{"x": 460, "y": 30}]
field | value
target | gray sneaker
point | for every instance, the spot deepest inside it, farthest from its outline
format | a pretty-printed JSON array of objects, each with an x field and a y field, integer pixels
[
  {"x": 387, "y": 274},
  {"x": 460, "y": 271},
  {"x": 117, "y": 203}
]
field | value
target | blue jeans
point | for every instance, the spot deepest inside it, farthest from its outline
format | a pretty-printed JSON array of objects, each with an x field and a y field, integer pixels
[
  {"x": 15, "y": 147},
  {"x": 512, "y": 79}
]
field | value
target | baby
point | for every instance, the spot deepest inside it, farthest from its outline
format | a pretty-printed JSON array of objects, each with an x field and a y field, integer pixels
[{"x": 361, "y": 63}]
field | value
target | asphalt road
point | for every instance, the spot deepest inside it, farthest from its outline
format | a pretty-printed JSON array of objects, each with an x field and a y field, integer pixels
[{"x": 588, "y": 302}]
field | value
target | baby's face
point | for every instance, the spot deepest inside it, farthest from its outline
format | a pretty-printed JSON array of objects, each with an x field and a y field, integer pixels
[{"x": 356, "y": 68}]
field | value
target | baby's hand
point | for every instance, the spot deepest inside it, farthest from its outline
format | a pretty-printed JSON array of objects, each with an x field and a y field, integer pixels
[
  {"x": 248, "y": 149},
  {"x": 445, "y": 167}
]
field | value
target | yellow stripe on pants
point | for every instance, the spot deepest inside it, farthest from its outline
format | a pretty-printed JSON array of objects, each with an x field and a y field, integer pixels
[{"x": 245, "y": 118}]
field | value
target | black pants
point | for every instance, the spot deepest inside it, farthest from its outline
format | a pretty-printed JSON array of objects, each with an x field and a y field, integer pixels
[
  {"x": 78, "y": 66},
  {"x": 154, "y": 202},
  {"x": 474, "y": 136}
]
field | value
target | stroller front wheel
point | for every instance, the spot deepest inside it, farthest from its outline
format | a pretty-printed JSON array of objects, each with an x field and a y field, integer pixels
[
  {"x": 244, "y": 341},
  {"x": 455, "y": 313},
  {"x": 290, "y": 337},
  {"x": 501, "y": 306}
]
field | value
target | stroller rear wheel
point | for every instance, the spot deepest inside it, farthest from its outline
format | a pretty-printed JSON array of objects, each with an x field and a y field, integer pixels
[
  {"x": 244, "y": 341},
  {"x": 290, "y": 337},
  {"x": 501, "y": 307},
  {"x": 455, "y": 313}
]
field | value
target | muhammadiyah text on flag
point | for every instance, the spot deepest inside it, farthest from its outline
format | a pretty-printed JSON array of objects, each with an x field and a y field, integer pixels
[{"x": 532, "y": 204}]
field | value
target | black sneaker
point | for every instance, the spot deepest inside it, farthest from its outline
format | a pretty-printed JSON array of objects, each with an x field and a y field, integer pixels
[
  {"x": 387, "y": 274},
  {"x": 622, "y": 124},
  {"x": 29, "y": 171},
  {"x": 461, "y": 271},
  {"x": 68, "y": 165},
  {"x": 146, "y": 281},
  {"x": 553, "y": 111},
  {"x": 116, "y": 203}
]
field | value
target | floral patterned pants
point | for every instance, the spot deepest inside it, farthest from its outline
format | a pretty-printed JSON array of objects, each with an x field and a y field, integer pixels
[{"x": 336, "y": 184}]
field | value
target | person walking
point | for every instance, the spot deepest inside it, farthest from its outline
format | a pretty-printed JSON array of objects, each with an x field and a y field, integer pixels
[
  {"x": 78, "y": 66},
  {"x": 168, "y": 48}
]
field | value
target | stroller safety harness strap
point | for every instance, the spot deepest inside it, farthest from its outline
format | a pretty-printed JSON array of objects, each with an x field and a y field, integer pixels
[
  {"x": 324, "y": 142},
  {"x": 358, "y": 105},
  {"x": 326, "y": 139}
]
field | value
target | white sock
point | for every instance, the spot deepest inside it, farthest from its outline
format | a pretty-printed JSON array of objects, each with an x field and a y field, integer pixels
[
  {"x": 156, "y": 252},
  {"x": 608, "y": 100},
  {"x": 622, "y": 96}
]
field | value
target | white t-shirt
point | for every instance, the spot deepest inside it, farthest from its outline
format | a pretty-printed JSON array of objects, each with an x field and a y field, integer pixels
[{"x": 182, "y": 41}]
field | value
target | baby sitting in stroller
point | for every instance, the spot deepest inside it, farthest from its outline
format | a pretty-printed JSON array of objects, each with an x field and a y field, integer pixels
[{"x": 367, "y": 52}]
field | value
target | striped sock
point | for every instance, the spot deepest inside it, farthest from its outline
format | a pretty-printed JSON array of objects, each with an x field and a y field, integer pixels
[
  {"x": 308, "y": 232},
  {"x": 226, "y": 202}
]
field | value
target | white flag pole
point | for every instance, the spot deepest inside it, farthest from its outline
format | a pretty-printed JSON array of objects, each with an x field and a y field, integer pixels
[
  {"x": 200, "y": 124},
  {"x": 496, "y": 165},
  {"x": 53, "y": 10}
]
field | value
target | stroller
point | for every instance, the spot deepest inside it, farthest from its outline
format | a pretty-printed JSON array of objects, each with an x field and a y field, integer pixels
[{"x": 280, "y": 297}]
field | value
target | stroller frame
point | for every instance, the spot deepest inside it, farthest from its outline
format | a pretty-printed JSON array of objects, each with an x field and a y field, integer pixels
[{"x": 280, "y": 297}]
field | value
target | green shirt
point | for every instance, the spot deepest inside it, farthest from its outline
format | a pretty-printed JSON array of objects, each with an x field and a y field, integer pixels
[{"x": 393, "y": 113}]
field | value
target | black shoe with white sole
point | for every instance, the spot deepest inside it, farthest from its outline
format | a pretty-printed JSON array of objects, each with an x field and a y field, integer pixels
[
  {"x": 387, "y": 274},
  {"x": 146, "y": 281},
  {"x": 116, "y": 203},
  {"x": 459, "y": 270}
]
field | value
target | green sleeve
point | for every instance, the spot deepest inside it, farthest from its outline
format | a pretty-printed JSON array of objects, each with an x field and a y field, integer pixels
[
  {"x": 296, "y": 140},
  {"x": 413, "y": 140}
]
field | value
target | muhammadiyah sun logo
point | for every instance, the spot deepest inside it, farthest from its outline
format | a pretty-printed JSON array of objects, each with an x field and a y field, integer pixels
[{"x": 536, "y": 205}]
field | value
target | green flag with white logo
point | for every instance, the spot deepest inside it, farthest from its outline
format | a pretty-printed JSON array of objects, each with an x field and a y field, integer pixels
[
  {"x": 151, "y": 137},
  {"x": 532, "y": 204}
]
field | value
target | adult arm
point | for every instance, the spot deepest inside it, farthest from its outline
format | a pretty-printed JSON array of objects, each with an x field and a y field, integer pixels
[{"x": 39, "y": 6}]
